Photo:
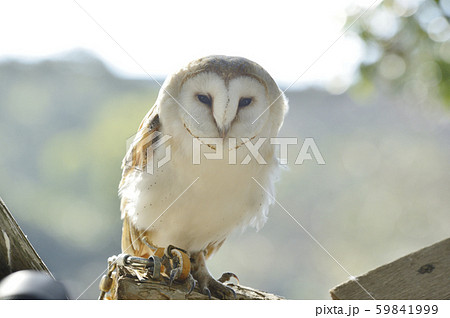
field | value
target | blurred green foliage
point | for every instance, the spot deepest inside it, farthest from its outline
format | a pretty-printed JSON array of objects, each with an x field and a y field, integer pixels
[
  {"x": 407, "y": 49},
  {"x": 61, "y": 121}
]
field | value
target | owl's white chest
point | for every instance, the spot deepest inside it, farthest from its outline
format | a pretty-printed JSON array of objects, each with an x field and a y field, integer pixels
[{"x": 192, "y": 205}]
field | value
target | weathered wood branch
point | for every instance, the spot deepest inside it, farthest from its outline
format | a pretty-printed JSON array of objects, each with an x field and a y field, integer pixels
[
  {"x": 127, "y": 288},
  {"x": 16, "y": 252},
  {"x": 424, "y": 274},
  {"x": 130, "y": 282}
]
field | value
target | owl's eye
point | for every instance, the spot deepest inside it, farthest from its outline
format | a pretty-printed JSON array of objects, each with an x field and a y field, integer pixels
[
  {"x": 205, "y": 99},
  {"x": 245, "y": 101}
]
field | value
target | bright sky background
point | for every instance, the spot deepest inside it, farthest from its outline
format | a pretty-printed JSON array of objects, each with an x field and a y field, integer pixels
[{"x": 158, "y": 37}]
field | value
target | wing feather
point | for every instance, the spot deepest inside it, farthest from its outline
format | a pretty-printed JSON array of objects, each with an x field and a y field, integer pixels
[
  {"x": 146, "y": 136},
  {"x": 136, "y": 159}
]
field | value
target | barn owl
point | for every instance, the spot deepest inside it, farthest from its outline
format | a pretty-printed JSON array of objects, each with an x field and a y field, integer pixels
[{"x": 196, "y": 205}]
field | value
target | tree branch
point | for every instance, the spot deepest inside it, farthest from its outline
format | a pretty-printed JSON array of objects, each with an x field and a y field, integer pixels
[{"x": 16, "y": 252}]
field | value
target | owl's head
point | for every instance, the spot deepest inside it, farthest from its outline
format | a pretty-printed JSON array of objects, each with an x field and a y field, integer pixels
[{"x": 223, "y": 96}]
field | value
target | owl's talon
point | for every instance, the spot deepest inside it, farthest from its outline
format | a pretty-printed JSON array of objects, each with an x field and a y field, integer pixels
[
  {"x": 234, "y": 293},
  {"x": 207, "y": 284},
  {"x": 207, "y": 292},
  {"x": 174, "y": 274},
  {"x": 211, "y": 287},
  {"x": 227, "y": 276},
  {"x": 192, "y": 284}
]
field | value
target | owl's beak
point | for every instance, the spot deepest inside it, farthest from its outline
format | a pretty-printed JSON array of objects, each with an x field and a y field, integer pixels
[
  {"x": 223, "y": 131},
  {"x": 223, "y": 119}
]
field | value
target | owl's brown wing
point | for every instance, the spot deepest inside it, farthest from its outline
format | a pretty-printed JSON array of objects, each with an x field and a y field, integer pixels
[
  {"x": 147, "y": 135},
  {"x": 136, "y": 159}
]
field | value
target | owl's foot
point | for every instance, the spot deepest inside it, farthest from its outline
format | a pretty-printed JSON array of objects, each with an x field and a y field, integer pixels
[
  {"x": 211, "y": 287},
  {"x": 207, "y": 284}
]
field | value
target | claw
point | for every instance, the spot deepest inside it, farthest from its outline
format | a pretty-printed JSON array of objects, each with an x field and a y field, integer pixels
[
  {"x": 227, "y": 276},
  {"x": 208, "y": 285},
  {"x": 234, "y": 293},
  {"x": 174, "y": 274},
  {"x": 207, "y": 292},
  {"x": 191, "y": 284},
  {"x": 212, "y": 287}
]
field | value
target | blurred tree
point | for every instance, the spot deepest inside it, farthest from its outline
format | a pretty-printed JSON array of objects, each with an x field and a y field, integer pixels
[
  {"x": 407, "y": 49},
  {"x": 74, "y": 116}
]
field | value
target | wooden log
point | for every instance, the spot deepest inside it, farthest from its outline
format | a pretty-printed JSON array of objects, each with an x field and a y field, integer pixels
[
  {"x": 424, "y": 274},
  {"x": 16, "y": 252},
  {"x": 128, "y": 288}
]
